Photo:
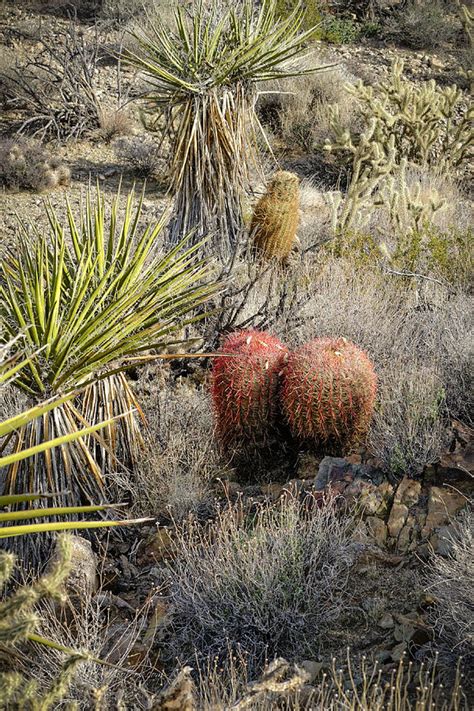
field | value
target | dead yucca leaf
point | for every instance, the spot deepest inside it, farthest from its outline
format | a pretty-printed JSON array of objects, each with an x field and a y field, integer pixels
[
  {"x": 89, "y": 295},
  {"x": 202, "y": 77}
]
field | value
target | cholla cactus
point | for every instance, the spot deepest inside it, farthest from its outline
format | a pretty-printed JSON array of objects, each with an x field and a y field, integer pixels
[
  {"x": 18, "y": 622},
  {"x": 276, "y": 215},
  {"x": 431, "y": 125},
  {"x": 245, "y": 385},
  {"x": 328, "y": 392}
]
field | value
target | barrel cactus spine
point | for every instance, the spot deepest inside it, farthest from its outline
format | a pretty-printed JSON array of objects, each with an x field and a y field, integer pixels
[
  {"x": 244, "y": 387},
  {"x": 276, "y": 216},
  {"x": 328, "y": 392}
]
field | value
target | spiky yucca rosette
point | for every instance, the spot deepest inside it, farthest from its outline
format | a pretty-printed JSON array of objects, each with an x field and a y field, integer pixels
[
  {"x": 244, "y": 387},
  {"x": 328, "y": 392}
]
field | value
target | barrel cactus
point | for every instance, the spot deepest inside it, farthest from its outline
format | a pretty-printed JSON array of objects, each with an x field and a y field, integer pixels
[
  {"x": 244, "y": 387},
  {"x": 328, "y": 392},
  {"x": 276, "y": 215}
]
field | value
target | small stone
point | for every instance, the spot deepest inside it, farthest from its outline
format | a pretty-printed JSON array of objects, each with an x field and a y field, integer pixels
[
  {"x": 443, "y": 504},
  {"x": 377, "y": 530},
  {"x": 398, "y": 651},
  {"x": 160, "y": 546},
  {"x": 397, "y": 518},
  {"x": 312, "y": 668},
  {"x": 82, "y": 579},
  {"x": 436, "y": 63},
  {"x": 406, "y": 533},
  {"x": 408, "y": 492},
  {"x": 386, "y": 622},
  {"x": 308, "y": 466}
]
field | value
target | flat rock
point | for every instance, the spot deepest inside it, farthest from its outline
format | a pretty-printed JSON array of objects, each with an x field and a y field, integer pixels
[
  {"x": 397, "y": 519},
  {"x": 443, "y": 504}
]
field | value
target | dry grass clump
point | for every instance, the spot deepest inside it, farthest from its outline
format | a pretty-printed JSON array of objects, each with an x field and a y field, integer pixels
[
  {"x": 266, "y": 583},
  {"x": 297, "y": 110},
  {"x": 113, "y": 123},
  {"x": 409, "y": 428},
  {"x": 423, "y": 25},
  {"x": 182, "y": 456},
  {"x": 450, "y": 581},
  {"x": 27, "y": 165},
  {"x": 142, "y": 155},
  {"x": 89, "y": 626},
  {"x": 355, "y": 687}
]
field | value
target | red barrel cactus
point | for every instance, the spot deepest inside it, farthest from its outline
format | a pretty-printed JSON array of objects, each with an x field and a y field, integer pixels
[
  {"x": 244, "y": 386},
  {"x": 328, "y": 392}
]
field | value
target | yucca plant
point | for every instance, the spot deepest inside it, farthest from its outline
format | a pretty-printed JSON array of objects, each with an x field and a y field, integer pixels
[
  {"x": 202, "y": 76},
  {"x": 91, "y": 296}
]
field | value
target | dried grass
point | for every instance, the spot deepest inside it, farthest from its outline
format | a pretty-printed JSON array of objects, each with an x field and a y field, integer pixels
[{"x": 266, "y": 583}]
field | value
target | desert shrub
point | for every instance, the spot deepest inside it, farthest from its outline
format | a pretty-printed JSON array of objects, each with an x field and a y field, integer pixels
[
  {"x": 181, "y": 457},
  {"x": 409, "y": 428},
  {"x": 350, "y": 686},
  {"x": 422, "y": 25},
  {"x": 89, "y": 626},
  {"x": 449, "y": 580},
  {"x": 28, "y": 165},
  {"x": 313, "y": 12},
  {"x": 339, "y": 30},
  {"x": 113, "y": 123},
  {"x": 298, "y": 112},
  {"x": 142, "y": 155},
  {"x": 269, "y": 583},
  {"x": 212, "y": 132}
]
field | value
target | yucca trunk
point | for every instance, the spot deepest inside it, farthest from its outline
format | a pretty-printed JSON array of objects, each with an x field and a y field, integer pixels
[
  {"x": 213, "y": 150},
  {"x": 81, "y": 472}
]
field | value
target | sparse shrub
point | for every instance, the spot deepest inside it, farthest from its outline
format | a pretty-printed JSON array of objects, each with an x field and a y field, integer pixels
[
  {"x": 113, "y": 123},
  {"x": 212, "y": 131},
  {"x": 142, "y": 155},
  {"x": 422, "y": 25},
  {"x": 181, "y": 457},
  {"x": 270, "y": 583},
  {"x": 93, "y": 299},
  {"x": 409, "y": 429},
  {"x": 276, "y": 216},
  {"x": 53, "y": 92},
  {"x": 313, "y": 11},
  {"x": 449, "y": 580},
  {"x": 28, "y": 165},
  {"x": 339, "y": 30},
  {"x": 245, "y": 387},
  {"x": 328, "y": 392}
]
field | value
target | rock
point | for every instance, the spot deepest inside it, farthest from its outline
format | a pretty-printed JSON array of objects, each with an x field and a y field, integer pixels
[
  {"x": 436, "y": 63},
  {"x": 443, "y": 504},
  {"x": 82, "y": 580},
  {"x": 408, "y": 492},
  {"x": 375, "y": 500},
  {"x": 386, "y": 622},
  {"x": 308, "y": 466},
  {"x": 273, "y": 491},
  {"x": 397, "y": 518},
  {"x": 313, "y": 669},
  {"x": 377, "y": 530},
  {"x": 442, "y": 540},
  {"x": 330, "y": 469},
  {"x": 406, "y": 534},
  {"x": 160, "y": 546}
]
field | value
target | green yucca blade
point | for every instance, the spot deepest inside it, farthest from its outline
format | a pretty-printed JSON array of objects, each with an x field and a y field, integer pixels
[
  {"x": 9, "y": 459},
  {"x": 54, "y": 511},
  {"x": 56, "y": 526}
]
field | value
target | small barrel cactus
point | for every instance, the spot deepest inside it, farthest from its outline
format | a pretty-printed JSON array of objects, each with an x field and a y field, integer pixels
[
  {"x": 245, "y": 386},
  {"x": 276, "y": 215},
  {"x": 328, "y": 392}
]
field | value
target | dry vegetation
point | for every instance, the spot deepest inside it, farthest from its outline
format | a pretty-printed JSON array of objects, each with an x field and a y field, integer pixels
[{"x": 249, "y": 587}]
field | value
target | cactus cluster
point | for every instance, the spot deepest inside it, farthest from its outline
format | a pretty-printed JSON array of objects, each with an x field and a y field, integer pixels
[
  {"x": 26, "y": 165},
  {"x": 329, "y": 391},
  {"x": 245, "y": 383},
  {"x": 276, "y": 215},
  {"x": 324, "y": 391}
]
